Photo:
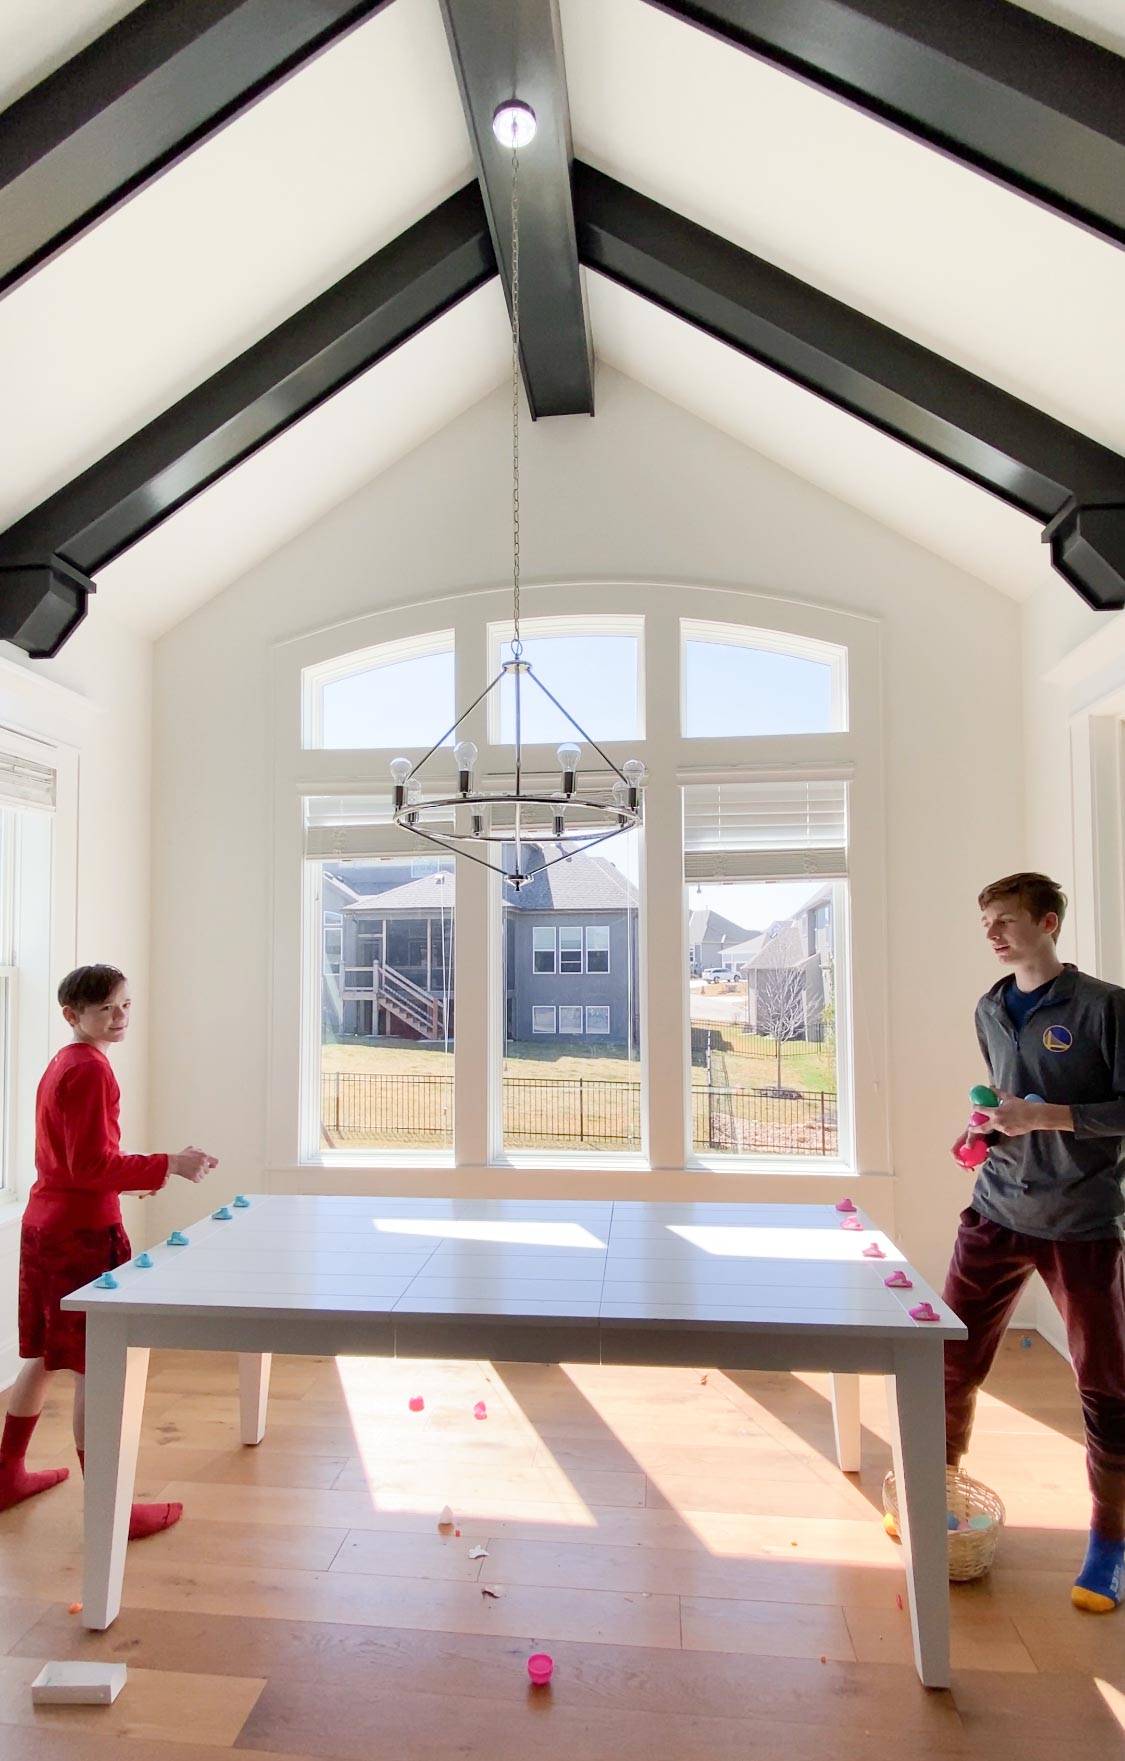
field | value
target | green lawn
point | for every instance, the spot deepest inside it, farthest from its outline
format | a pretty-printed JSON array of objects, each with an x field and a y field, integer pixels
[{"x": 808, "y": 1067}]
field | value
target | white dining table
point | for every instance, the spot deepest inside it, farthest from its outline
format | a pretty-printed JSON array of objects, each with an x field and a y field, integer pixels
[{"x": 735, "y": 1286}]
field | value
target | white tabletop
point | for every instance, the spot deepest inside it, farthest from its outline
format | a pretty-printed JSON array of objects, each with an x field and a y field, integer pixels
[{"x": 763, "y": 1267}]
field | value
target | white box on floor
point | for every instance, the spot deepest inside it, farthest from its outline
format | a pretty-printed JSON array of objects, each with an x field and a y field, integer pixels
[{"x": 78, "y": 1684}]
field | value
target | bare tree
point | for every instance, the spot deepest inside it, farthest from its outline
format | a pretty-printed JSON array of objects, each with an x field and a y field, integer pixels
[{"x": 780, "y": 985}]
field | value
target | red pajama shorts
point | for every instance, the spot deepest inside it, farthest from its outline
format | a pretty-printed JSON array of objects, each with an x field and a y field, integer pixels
[{"x": 52, "y": 1265}]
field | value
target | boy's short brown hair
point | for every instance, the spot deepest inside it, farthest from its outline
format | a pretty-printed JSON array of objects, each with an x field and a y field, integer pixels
[
  {"x": 1037, "y": 893},
  {"x": 88, "y": 985}
]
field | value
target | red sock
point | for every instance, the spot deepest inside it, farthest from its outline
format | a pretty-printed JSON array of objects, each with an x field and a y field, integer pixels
[
  {"x": 16, "y": 1483},
  {"x": 145, "y": 1519}
]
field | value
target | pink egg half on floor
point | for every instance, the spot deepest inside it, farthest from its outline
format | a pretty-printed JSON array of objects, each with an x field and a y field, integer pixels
[
  {"x": 844, "y": 1204},
  {"x": 874, "y": 1252},
  {"x": 416, "y": 1403}
]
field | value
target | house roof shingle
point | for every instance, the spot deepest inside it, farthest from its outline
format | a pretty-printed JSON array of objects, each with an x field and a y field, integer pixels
[{"x": 580, "y": 883}]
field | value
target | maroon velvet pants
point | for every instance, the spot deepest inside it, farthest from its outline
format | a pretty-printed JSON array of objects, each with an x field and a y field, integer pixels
[{"x": 989, "y": 1269}]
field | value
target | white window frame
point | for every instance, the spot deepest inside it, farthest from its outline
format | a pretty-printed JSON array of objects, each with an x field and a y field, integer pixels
[
  {"x": 540, "y": 1010},
  {"x": 662, "y": 987},
  {"x": 539, "y": 930},
  {"x": 570, "y": 1032},
  {"x": 572, "y": 929},
  {"x": 598, "y": 929},
  {"x": 599, "y": 1009},
  {"x": 44, "y": 943}
]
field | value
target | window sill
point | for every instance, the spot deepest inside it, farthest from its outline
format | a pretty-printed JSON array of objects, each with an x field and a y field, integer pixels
[
  {"x": 804, "y": 1165},
  {"x": 380, "y": 1160},
  {"x": 589, "y": 1162}
]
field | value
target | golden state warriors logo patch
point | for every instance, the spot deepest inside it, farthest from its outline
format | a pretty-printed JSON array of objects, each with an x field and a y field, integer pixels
[{"x": 1058, "y": 1039}]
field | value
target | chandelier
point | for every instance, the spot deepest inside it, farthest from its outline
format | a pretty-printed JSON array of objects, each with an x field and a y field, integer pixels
[{"x": 513, "y": 830}]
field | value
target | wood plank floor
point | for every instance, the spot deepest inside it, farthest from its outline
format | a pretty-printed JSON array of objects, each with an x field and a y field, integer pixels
[{"x": 709, "y": 1584}]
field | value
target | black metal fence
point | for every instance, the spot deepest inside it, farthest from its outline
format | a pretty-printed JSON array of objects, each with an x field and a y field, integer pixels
[
  {"x": 393, "y": 1108},
  {"x": 758, "y": 1121},
  {"x": 574, "y": 1113},
  {"x": 571, "y": 1112}
]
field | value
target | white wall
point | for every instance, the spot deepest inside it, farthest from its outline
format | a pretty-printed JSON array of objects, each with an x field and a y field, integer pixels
[
  {"x": 642, "y": 492},
  {"x": 96, "y": 697}
]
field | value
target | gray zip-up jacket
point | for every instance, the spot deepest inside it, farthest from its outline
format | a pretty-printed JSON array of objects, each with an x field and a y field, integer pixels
[{"x": 1059, "y": 1185}]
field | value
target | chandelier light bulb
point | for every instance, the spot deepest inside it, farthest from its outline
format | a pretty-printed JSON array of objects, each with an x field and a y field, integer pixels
[
  {"x": 634, "y": 772},
  {"x": 513, "y": 124},
  {"x": 568, "y": 757},
  {"x": 619, "y": 792},
  {"x": 400, "y": 769},
  {"x": 464, "y": 755}
]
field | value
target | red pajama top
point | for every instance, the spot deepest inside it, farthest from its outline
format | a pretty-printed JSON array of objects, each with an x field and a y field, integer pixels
[{"x": 78, "y": 1146}]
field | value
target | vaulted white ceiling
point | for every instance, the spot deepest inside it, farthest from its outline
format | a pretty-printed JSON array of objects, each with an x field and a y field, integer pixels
[{"x": 369, "y": 137}]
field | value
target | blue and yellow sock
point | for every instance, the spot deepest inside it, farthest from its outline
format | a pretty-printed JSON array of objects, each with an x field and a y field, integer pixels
[{"x": 1100, "y": 1584}]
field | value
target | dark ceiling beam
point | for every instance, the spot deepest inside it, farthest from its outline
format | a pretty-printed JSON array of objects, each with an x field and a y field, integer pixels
[
  {"x": 505, "y": 49},
  {"x": 154, "y": 86},
  {"x": 1030, "y": 460},
  {"x": 1030, "y": 104},
  {"x": 47, "y": 558}
]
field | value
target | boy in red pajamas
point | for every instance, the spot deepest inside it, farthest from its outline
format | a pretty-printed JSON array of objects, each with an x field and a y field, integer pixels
[
  {"x": 1049, "y": 1197},
  {"x": 72, "y": 1229}
]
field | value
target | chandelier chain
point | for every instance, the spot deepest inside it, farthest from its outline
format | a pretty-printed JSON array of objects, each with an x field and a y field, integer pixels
[
  {"x": 522, "y": 824},
  {"x": 517, "y": 645}
]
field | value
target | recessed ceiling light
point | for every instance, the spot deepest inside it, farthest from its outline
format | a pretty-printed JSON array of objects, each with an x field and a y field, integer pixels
[{"x": 514, "y": 124}]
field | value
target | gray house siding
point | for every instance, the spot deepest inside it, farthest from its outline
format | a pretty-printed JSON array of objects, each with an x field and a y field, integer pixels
[{"x": 616, "y": 989}]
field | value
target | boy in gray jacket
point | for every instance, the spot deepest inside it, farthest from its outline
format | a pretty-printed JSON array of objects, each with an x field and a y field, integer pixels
[{"x": 1049, "y": 1197}]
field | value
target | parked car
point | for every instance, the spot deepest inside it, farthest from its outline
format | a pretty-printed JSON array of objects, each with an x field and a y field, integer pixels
[{"x": 720, "y": 975}]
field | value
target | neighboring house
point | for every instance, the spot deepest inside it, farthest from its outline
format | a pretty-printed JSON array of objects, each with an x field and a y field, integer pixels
[
  {"x": 788, "y": 972},
  {"x": 710, "y": 939},
  {"x": 388, "y": 952},
  {"x": 570, "y": 954}
]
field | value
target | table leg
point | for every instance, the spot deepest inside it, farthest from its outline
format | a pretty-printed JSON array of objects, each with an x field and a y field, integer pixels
[
  {"x": 253, "y": 1393},
  {"x": 916, "y": 1402},
  {"x": 845, "y": 1422},
  {"x": 116, "y": 1373}
]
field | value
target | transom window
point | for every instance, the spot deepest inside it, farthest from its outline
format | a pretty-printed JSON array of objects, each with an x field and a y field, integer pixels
[
  {"x": 399, "y": 694},
  {"x": 592, "y": 665},
  {"x": 742, "y": 681}
]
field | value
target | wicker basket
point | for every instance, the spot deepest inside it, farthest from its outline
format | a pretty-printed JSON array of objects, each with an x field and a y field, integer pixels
[{"x": 971, "y": 1551}]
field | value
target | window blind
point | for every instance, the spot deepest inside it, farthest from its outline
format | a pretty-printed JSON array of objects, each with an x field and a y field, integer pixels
[
  {"x": 24, "y": 783},
  {"x": 765, "y": 831}
]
